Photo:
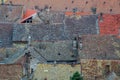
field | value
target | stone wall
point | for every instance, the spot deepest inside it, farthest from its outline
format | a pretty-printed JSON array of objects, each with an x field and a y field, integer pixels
[{"x": 95, "y": 69}]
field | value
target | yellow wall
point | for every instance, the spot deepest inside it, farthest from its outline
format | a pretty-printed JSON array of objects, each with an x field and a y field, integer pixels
[
  {"x": 4, "y": 0},
  {"x": 58, "y": 72}
]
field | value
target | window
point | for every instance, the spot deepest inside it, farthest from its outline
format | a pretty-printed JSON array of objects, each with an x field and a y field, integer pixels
[
  {"x": 86, "y": 2},
  {"x": 104, "y": 2},
  {"x": 59, "y": 54},
  {"x": 0, "y": 43},
  {"x": 107, "y": 69},
  {"x": 72, "y": 1},
  {"x": 66, "y": 8},
  {"x": 110, "y": 10},
  {"x": 28, "y": 20}
]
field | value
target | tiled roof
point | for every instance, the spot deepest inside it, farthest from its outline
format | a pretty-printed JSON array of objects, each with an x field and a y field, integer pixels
[
  {"x": 39, "y": 32},
  {"x": 54, "y": 51},
  {"x": 50, "y": 32},
  {"x": 10, "y": 13},
  {"x": 110, "y": 24},
  {"x": 100, "y": 47},
  {"x": 10, "y": 72},
  {"x": 28, "y": 14},
  {"x": 5, "y": 35},
  {"x": 105, "y": 6},
  {"x": 83, "y": 26},
  {"x": 70, "y": 13},
  {"x": 7, "y": 52}
]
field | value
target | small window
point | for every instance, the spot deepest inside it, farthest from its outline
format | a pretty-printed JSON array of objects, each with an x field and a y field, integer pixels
[
  {"x": 86, "y": 2},
  {"x": 36, "y": 7},
  {"x": 110, "y": 10},
  {"x": 59, "y": 54},
  {"x": 45, "y": 78},
  {"x": 6, "y": 16},
  {"x": 94, "y": 9},
  {"x": 66, "y": 8},
  {"x": 50, "y": 7},
  {"x": 104, "y": 2},
  {"x": 107, "y": 69},
  {"x": 72, "y": 1},
  {"x": 28, "y": 20},
  {"x": 72, "y": 56}
]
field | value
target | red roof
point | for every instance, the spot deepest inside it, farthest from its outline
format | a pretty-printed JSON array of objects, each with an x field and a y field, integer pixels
[
  {"x": 104, "y": 6},
  {"x": 70, "y": 13},
  {"x": 110, "y": 24},
  {"x": 28, "y": 14}
]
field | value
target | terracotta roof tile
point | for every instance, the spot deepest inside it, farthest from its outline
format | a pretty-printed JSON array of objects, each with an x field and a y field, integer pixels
[
  {"x": 67, "y": 5},
  {"x": 70, "y": 13},
  {"x": 110, "y": 24},
  {"x": 28, "y": 13}
]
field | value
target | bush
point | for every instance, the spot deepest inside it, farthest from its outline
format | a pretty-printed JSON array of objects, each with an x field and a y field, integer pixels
[{"x": 76, "y": 76}]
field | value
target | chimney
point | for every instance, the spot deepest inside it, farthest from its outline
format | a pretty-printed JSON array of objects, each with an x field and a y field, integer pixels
[
  {"x": 80, "y": 42},
  {"x": 101, "y": 17},
  {"x": 2, "y": 2},
  {"x": 75, "y": 44},
  {"x": 11, "y": 3},
  {"x": 80, "y": 45}
]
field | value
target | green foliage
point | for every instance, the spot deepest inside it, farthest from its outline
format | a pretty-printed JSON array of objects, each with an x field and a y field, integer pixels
[{"x": 76, "y": 76}]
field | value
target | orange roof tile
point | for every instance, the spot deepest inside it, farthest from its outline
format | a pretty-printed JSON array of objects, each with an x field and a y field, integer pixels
[
  {"x": 105, "y": 6},
  {"x": 110, "y": 24},
  {"x": 70, "y": 13},
  {"x": 29, "y": 13}
]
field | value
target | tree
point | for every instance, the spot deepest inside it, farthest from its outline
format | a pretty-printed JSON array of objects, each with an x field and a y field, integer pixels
[{"x": 76, "y": 76}]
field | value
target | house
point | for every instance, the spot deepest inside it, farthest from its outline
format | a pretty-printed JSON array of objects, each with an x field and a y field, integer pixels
[
  {"x": 109, "y": 24},
  {"x": 99, "y": 47},
  {"x": 6, "y": 35},
  {"x": 28, "y": 16},
  {"x": 92, "y": 6},
  {"x": 10, "y": 71},
  {"x": 56, "y": 32},
  {"x": 10, "y": 13}
]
